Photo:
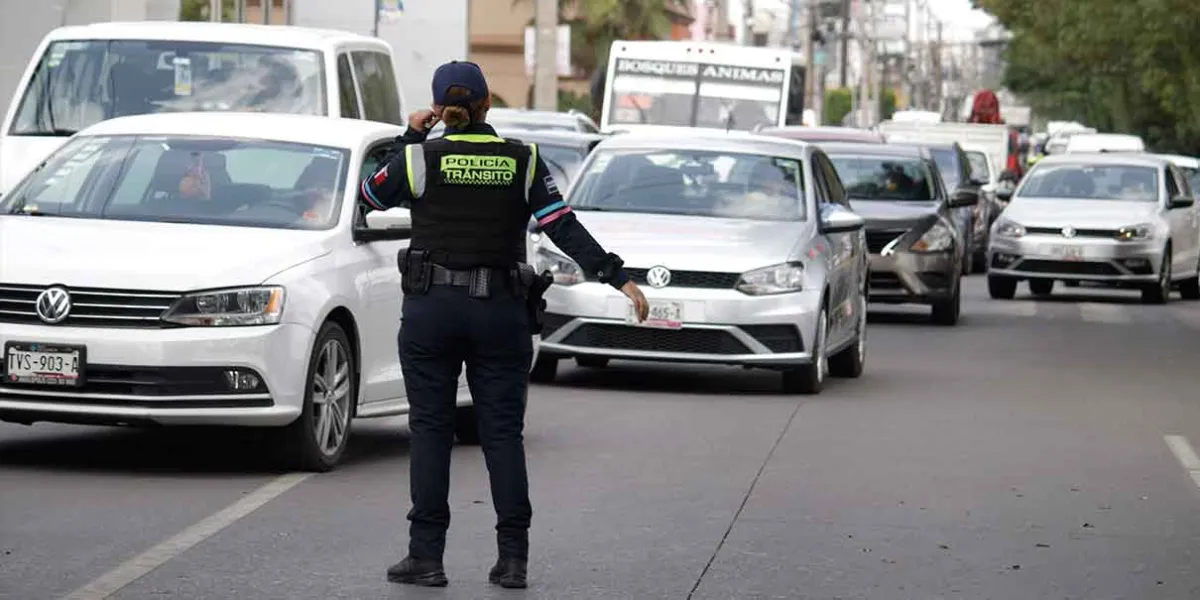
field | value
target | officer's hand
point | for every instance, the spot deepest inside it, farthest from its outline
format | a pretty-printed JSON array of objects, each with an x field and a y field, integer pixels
[
  {"x": 640, "y": 305},
  {"x": 422, "y": 120}
]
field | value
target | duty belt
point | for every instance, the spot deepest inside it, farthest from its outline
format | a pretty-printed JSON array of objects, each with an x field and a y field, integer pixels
[{"x": 461, "y": 278}]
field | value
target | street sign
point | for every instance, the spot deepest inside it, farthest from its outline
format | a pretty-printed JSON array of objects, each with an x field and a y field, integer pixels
[
  {"x": 389, "y": 11},
  {"x": 562, "y": 52}
]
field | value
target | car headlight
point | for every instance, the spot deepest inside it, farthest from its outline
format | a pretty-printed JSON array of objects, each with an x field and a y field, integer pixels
[
  {"x": 775, "y": 279},
  {"x": 938, "y": 238},
  {"x": 1009, "y": 229},
  {"x": 565, "y": 270},
  {"x": 229, "y": 308},
  {"x": 1141, "y": 231}
]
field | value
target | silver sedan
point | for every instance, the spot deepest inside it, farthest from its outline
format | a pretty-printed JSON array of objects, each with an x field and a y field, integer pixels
[
  {"x": 745, "y": 245},
  {"x": 1118, "y": 220}
]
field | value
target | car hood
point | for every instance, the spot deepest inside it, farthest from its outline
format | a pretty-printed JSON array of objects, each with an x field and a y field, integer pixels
[
  {"x": 893, "y": 214},
  {"x": 20, "y": 154},
  {"x": 147, "y": 256},
  {"x": 1097, "y": 214},
  {"x": 693, "y": 243}
]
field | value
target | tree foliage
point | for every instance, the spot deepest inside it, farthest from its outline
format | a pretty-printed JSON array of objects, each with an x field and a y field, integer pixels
[
  {"x": 1117, "y": 65},
  {"x": 197, "y": 10}
]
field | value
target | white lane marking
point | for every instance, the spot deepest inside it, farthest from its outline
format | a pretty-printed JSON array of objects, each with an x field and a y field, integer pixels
[
  {"x": 1182, "y": 449},
  {"x": 131, "y": 570},
  {"x": 1101, "y": 312}
]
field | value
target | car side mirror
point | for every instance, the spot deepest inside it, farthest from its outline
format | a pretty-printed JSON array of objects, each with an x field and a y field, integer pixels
[
  {"x": 1182, "y": 202},
  {"x": 963, "y": 197},
  {"x": 976, "y": 182},
  {"x": 381, "y": 225},
  {"x": 1005, "y": 192},
  {"x": 839, "y": 219}
]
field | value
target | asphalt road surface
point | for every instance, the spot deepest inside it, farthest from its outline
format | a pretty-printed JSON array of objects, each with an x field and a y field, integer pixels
[{"x": 1039, "y": 450}]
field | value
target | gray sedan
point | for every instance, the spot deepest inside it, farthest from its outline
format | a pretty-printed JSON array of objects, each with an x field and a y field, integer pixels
[{"x": 1117, "y": 220}]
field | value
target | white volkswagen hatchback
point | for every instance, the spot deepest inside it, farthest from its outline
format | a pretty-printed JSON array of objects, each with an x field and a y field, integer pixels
[{"x": 206, "y": 269}]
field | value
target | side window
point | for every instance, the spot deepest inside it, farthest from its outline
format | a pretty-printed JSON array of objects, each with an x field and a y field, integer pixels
[
  {"x": 346, "y": 89},
  {"x": 837, "y": 193},
  {"x": 1173, "y": 190},
  {"x": 381, "y": 97}
]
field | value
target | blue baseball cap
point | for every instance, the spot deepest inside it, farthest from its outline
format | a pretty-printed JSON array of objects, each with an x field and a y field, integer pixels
[{"x": 463, "y": 74}]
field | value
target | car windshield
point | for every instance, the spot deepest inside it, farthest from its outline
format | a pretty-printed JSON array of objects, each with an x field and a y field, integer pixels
[
  {"x": 947, "y": 163},
  {"x": 79, "y": 83},
  {"x": 563, "y": 161},
  {"x": 200, "y": 180},
  {"x": 980, "y": 168},
  {"x": 694, "y": 183},
  {"x": 1091, "y": 182},
  {"x": 884, "y": 178}
]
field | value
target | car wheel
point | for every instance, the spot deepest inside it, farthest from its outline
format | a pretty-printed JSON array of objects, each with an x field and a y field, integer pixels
[
  {"x": 316, "y": 440},
  {"x": 545, "y": 369},
  {"x": 592, "y": 362},
  {"x": 980, "y": 262},
  {"x": 1189, "y": 288},
  {"x": 1041, "y": 287},
  {"x": 849, "y": 362},
  {"x": 466, "y": 425},
  {"x": 810, "y": 378},
  {"x": 1002, "y": 288},
  {"x": 1159, "y": 292},
  {"x": 946, "y": 311}
]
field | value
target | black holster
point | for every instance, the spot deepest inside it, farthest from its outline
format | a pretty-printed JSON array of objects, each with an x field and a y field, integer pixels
[
  {"x": 416, "y": 271},
  {"x": 534, "y": 286}
]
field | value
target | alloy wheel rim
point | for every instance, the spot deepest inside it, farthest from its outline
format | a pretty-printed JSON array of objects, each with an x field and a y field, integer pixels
[{"x": 331, "y": 397}]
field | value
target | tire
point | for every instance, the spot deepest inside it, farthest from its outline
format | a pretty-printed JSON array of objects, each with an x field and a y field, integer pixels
[
  {"x": 466, "y": 425},
  {"x": 810, "y": 379},
  {"x": 1189, "y": 289},
  {"x": 316, "y": 440},
  {"x": 1160, "y": 291},
  {"x": 544, "y": 370},
  {"x": 592, "y": 362},
  {"x": 946, "y": 311},
  {"x": 849, "y": 362},
  {"x": 980, "y": 262},
  {"x": 1041, "y": 287},
  {"x": 1002, "y": 288}
]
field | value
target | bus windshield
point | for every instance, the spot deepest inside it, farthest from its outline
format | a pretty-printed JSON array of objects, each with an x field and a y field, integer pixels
[
  {"x": 658, "y": 92},
  {"x": 80, "y": 83}
]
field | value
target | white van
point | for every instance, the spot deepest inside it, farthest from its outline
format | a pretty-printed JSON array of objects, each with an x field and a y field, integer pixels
[
  {"x": 1104, "y": 142},
  {"x": 82, "y": 75}
]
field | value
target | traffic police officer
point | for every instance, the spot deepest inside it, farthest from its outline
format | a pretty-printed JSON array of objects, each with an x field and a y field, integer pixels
[{"x": 471, "y": 194}]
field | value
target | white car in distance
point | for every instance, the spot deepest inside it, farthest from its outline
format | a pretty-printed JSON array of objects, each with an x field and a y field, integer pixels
[{"x": 207, "y": 269}]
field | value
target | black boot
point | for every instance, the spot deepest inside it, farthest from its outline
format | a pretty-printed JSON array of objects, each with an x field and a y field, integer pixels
[
  {"x": 509, "y": 573},
  {"x": 416, "y": 571}
]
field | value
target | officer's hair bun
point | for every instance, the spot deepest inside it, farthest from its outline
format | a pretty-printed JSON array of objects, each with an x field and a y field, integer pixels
[{"x": 457, "y": 117}]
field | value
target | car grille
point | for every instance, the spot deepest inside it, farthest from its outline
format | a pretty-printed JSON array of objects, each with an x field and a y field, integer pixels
[
  {"x": 1067, "y": 267},
  {"x": 90, "y": 307},
  {"x": 1092, "y": 233},
  {"x": 879, "y": 239},
  {"x": 882, "y": 280},
  {"x": 683, "y": 341},
  {"x": 690, "y": 279},
  {"x": 552, "y": 322}
]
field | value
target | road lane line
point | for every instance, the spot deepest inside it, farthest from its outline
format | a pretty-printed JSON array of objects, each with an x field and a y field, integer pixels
[
  {"x": 1182, "y": 449},
  {"x": 1100, "y": 312},
  {"x": 133, "y": 569}
]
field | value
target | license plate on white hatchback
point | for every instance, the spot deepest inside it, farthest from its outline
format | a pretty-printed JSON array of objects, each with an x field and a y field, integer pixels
[
  {"x": 1067, "y": 252},
  {"x": 663, "y": 315},
  {"x": 31, "y": 363}
]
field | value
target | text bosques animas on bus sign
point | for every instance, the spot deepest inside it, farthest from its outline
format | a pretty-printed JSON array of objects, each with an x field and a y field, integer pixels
[{"x": 705, "y": 72}]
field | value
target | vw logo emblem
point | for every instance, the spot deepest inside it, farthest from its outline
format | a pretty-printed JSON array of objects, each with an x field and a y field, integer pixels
[
  {"x": 1068, "y": 232},
  {"x": 53, "y": 305},
  {"x": 658, "y": 277}
]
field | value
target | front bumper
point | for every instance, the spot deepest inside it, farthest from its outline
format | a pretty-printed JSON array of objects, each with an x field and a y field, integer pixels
[
  {"x": 172, "y": 376},
  {"x": 908, "y": 277},
  {"x": 1037, "y": 256},
  {"x": 719, "y": 326}
]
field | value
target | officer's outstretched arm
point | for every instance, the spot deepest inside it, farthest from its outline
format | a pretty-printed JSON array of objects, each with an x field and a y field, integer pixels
[
  {"x": 397, "y": 182},
  {"x": 558, "y": 222}
]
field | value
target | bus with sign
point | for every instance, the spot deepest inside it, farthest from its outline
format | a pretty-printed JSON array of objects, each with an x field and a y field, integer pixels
[{"x": 699, "y": 84}]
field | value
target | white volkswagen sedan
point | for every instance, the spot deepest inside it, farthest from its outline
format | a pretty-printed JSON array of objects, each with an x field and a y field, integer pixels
[
  {"x": 747, "y": 249},
  {"x": 206, "y": 269}
]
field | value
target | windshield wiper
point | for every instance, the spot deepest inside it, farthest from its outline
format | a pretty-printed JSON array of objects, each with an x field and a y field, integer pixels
[{"x": 55, "y": 131}]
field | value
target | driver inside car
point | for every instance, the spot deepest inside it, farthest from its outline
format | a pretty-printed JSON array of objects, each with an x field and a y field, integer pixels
[{"x": 196, "y": 183}]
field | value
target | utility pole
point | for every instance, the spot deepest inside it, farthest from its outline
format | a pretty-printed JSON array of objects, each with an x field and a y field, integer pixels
[
  {"x": 905, "y": 78},
  {"x": 267, "y": 11},
  {"x": 845, "y": 54},
  {"x": 937, "y": 70},
  {"x": 545, "y": 65},
  {"x": 864, "y": 84},
  {"x": 214, "y": 11},
  {"x": 747, "y": 18},
  {"x": 810, "y": 60}
]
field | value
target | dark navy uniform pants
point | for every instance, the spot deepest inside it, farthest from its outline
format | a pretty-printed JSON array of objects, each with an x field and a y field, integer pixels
[{"x": 439, "y": 332}]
